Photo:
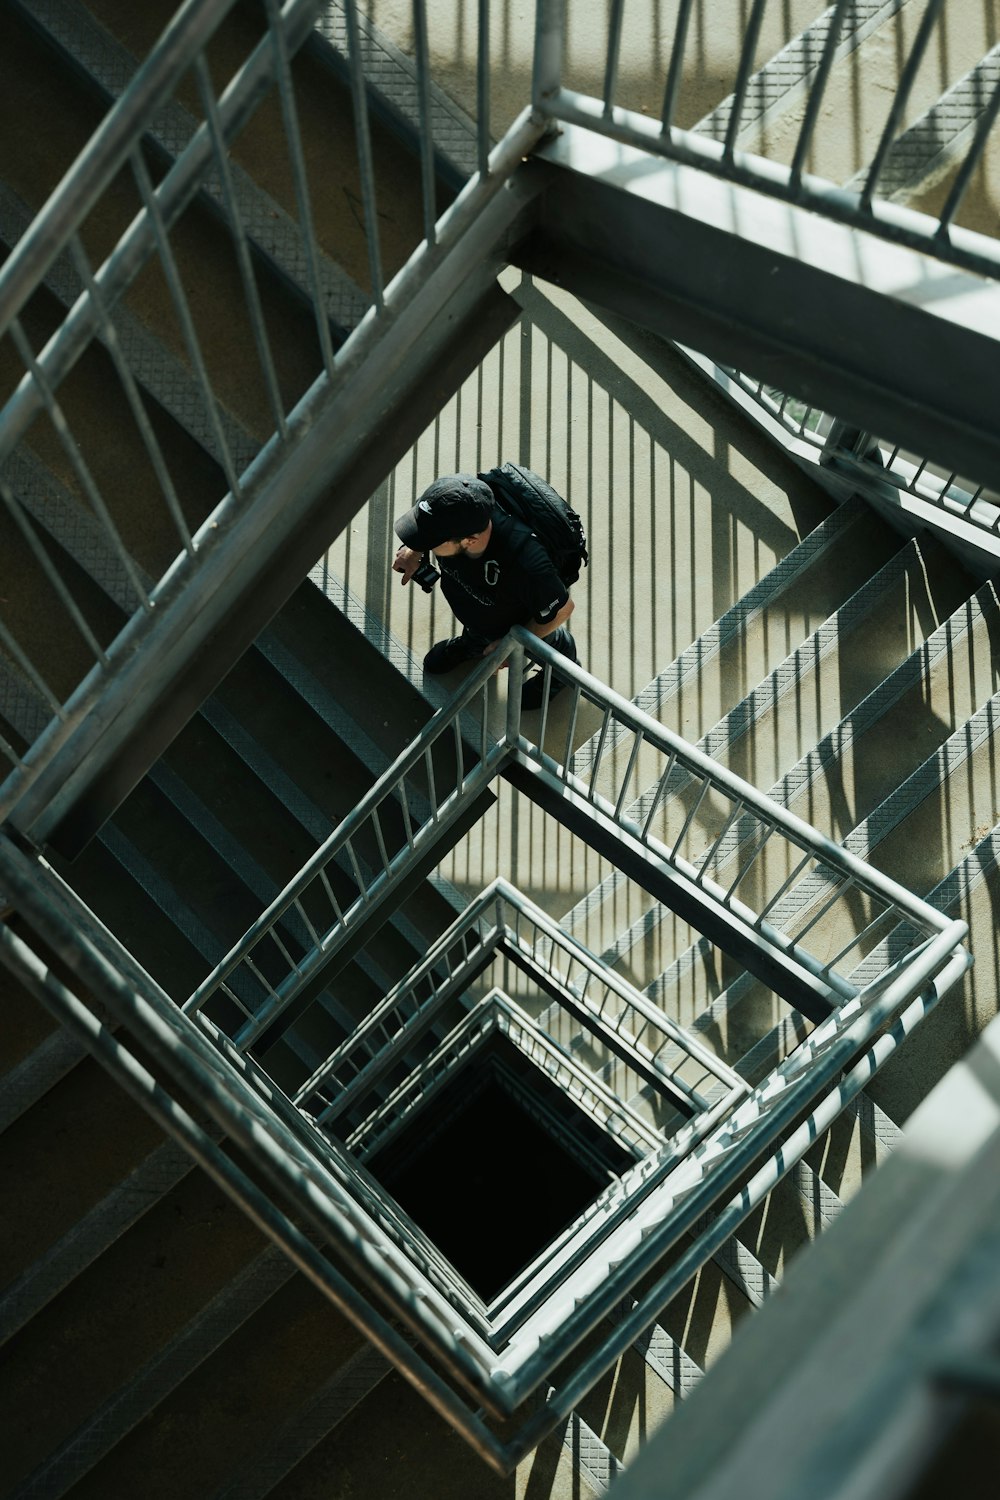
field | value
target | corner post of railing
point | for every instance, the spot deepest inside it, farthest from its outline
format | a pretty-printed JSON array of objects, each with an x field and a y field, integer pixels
[
  {"x": 845, "y": 441},
  {"x": 515, "y": 681},
  {"x": 546, "y": 76}
]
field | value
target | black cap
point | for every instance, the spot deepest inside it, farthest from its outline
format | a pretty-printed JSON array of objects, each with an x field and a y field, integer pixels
[{"x": 455, "y": 505}]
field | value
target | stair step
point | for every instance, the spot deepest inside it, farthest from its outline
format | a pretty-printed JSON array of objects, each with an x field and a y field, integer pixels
[
  {"x": 90, "y": 48},
  {"x": 119, "y": 1315},
  {"x": 329, "y": 1405},
  {"x": 929, "y": 146},
  {"x": 896, "y": 603},
  {"x": 252, "y": 1358},
  {"x": 89, "y": 1235},
  {"x": 840, "y": 542}
]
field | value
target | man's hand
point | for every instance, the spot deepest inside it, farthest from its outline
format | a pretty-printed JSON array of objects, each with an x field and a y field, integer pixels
[{"x": 406, "y": 562}]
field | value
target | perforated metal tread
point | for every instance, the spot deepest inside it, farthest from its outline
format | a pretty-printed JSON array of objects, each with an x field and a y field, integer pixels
[
  {"x": 172, "y": 387},
  {"x": 91, "y": 1235},
  {"x": 794, "y": 785},
  {"x": 739, "y": 618},
  {"x": 780, "y": 83},
  {"x": 392, "y": 77},
  {"x": 89, "y": 47},
  {"x": 930, "y": 145},
  {"x": 330, "y": 1405},
  {"x": 40, "y": 1071}
]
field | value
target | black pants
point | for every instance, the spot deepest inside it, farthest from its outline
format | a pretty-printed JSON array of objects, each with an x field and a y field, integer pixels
[{"x": 560, "y": 640}]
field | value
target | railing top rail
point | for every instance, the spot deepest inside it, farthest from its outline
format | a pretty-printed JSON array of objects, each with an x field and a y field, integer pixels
[
  {"x": 881, "y": 216},
  {"x": 796, "y": 830}
]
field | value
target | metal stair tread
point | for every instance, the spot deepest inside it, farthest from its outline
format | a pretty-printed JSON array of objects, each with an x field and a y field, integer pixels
[
  {"x": 89, "y": 46},
  {"x": 782, "y": 81},
  {"x": 392, "y": 83},
  {"x": 91, "y": 1235},
  {"x": 907, "y": 677},
  {"x": 931, "y": 143},
  {"x": 81, "y": 535},
  {"x": 331, "y": 1404},
  {"x": 741, "y": 719},
  {"x": 653, "y": 698}
]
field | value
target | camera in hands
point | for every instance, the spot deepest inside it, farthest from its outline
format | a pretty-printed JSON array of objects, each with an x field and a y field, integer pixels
[{"x": 426, "y": 575}]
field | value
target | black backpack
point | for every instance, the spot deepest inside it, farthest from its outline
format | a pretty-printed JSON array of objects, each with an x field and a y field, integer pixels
[{"x": 531, "y": 499}]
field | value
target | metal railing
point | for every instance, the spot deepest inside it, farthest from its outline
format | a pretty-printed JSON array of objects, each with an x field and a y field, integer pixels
[
  {"x": 882, "y": 470},
  {"x": 483, "y": 1361},
  {"x": 501, "y": 921},
  {"x": 356, "y": 872},
  {"x": 91, "y": 672},
  {"x": 493, "y": 1015},
  {"x": 104, "y": 664},
  {"x": 727, "y": 846},
  {"x": 659, "y": 134},
  {"x": 732, "y": 857}
]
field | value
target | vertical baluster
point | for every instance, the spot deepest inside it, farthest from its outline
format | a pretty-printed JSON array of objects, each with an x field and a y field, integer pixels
[
  {"x": 282, "y": 948},
  {"x": 614, "y": 53},
  {"x": 79, "y": 465},
  {"x": 355, "y": 866},
  {"x": 786, "y": 884},
  {"x": 484, "y": 724},
  {"x": 483, "y": 96},
  {"x": 692, "y": 814},
  {"x": 716, "y": 843},
  {"x": 426, "y": 130},
  {"x": 744, "y": 71},
  {"x": 366, "y": 168},
  {"x": 179, "y": 301},
  {"x": 334, "y": 903},
  {"x": 404, "y": 804},
  {"x": 380, "y": 841},
  {"x": 300, "y": 179},
  {"x": 599, "y": 752},
  {"x": 661, "y": 787},
  {"x": 546, "y": 72},
  {"x": 251, "y": 292},
  {"x": 637, "y": 744},
  {"x": 140, "y": 417},
  {"x": 675, "y": 70},
  {"x": 231, "y": 995},
  {"x": 900, "y": 99},
  {"x": 27, "y": 530},
  {"x": 571, "y": 718},
  {"x": 313, "y": 934},
  {"x": 431, "y": 785},
  {"x": 817, "y": 91},
  {"x": 970, "y": 162}
]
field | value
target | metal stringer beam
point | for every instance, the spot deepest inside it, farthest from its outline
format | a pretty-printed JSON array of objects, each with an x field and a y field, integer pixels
[{"x": 780, "y": 971}]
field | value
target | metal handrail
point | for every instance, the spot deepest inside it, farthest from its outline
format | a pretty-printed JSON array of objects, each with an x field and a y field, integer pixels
[
  {"x": 937, "y": 237},
  {"x": 807, "y": 432},
  {"x": 411, "y": 1006},
  {"x": 491, "y": 1013},
  {"x": 684, "y": 1193},
  {"x": 390, "y": 789},
  {"x": 644, "y": 1311},
  {"x": 678, "y": 752},
  {"x": 241, "y": 979}
]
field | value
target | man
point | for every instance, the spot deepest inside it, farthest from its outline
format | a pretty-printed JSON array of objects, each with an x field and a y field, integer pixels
[{"x": 495, "y": 573}]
